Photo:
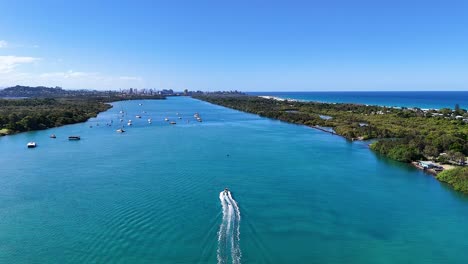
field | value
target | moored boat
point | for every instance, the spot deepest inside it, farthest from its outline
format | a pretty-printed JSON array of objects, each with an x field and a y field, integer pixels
[
  {"x": 120, "y": 130},
  {"x": 74, "y": 138},
  {"x": 53, "y": 136},
  {"x": 31, "y": 144}
]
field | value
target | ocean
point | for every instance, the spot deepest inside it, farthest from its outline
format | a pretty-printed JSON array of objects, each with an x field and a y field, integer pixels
[
  {"x": 428, "y": 99},
  {"x": 155, "y": 194}
]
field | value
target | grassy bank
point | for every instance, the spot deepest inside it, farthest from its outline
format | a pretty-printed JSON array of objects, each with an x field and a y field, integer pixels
[{"x": 457, "y": 178}]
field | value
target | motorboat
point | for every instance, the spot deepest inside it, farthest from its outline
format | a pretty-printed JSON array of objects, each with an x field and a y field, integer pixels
[
  {"x": 138, "y": 116},
  {"x": 31, "y": 144},
  {"x": 74, "y": 138},
  {"x": 53, "y": 136},
  {"x": 166, "y": 119},
  {"x": 172, "y": 123},
  {"x": 120, "y": 130}
]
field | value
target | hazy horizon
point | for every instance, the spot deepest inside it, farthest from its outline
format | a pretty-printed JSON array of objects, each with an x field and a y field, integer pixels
[{"x": 249, "y": 46}]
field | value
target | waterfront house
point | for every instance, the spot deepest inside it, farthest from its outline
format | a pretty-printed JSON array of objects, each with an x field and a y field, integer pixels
[{"x": 426, "y": 164}]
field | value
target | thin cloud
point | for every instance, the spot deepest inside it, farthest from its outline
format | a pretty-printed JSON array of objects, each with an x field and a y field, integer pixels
[
  {"x": 130, "y": 78},
  {"x": 9, "y": 63},
  {"x": 3, "y": 44},
  {"x": 67, "y": 74}
]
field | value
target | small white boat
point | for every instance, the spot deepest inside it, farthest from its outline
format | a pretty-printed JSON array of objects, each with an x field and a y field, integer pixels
[
  {"x": 166, "y": 119},
  {"x": 120, "y": 130},
  {"x": 172, "y": 123},
  {"x": 140, "y": 104},
  {"x": 180, "y": 117},
  {"x": 138, "y": 116},
  {"x": 31, "y": 144},
  {"x": 129, "y": 123},
  {"x": 121, "y": 112},
  {"x": 53, "y": 136}
]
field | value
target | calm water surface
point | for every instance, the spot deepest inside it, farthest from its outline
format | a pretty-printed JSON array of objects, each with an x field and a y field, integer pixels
[{"x": 152, "y": 194}]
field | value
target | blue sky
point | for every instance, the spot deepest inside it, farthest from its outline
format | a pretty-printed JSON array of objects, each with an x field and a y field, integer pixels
[{"x": 244, "y": 45}]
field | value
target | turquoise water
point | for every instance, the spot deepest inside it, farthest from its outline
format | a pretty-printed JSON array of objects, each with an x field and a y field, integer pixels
[
  {"x": 152, "y": 195},
  {"x": 426, "y": 99}
]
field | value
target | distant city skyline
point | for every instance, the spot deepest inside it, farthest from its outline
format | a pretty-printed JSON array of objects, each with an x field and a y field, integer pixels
[{"x": 241, "y": 45}]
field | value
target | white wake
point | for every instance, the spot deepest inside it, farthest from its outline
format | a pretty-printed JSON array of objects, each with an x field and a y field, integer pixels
[{"x": 229, "y": 230}]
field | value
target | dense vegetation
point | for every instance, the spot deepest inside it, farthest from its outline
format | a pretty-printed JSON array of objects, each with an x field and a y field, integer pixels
[
  {"x": 52, "y": 107},
  {"x": 47, "y": 92},
  {"x": 457, "y": 177},
  {"x": 404, "y": 134},
  {"x": 35, "y": 114}
]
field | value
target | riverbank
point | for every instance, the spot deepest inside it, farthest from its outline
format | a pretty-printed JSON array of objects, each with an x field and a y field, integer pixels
[{"x": 456, "y": 177}]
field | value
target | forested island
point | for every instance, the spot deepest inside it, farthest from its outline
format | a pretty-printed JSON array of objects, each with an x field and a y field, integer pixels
[
  {"x": 402, "y": 134},
  {"x": 36, "y": 108}
]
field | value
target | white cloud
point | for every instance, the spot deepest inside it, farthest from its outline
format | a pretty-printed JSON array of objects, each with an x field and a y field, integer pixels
[
  {"x": 67, "y": 74},
  {"x": 3, "y": 44},
  {"x": 9, "y": 63},
  {"x": 10, "y": 74},
  {"x": 91, "y": 80}
]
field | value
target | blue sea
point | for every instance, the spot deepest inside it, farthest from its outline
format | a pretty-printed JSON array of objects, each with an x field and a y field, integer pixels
[
  {"x": 427, "y": 99},
  {"x": 155, "y": 194}
]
